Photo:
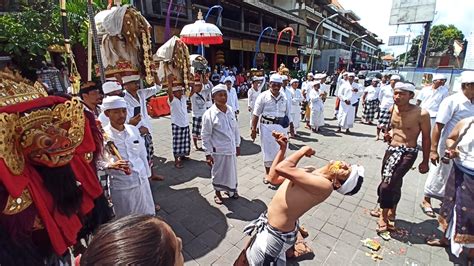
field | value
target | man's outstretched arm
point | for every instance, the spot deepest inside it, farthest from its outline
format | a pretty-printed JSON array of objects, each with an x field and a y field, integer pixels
[{"x": 273, "y": 177}]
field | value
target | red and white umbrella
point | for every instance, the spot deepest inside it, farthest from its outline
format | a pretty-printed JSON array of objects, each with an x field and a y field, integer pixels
[{"x": 201, "y": 33}]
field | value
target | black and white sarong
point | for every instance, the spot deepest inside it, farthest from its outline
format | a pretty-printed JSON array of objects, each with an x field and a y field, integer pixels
[
  {"x": 370, "y": 109},
  {"x": 197, "y": 126},
  {"x": 384, "y": 118},
  {"x": 181, "y": 140},
  {"x": 150, "y": 151},
  {"x": 270, "y": 244}
]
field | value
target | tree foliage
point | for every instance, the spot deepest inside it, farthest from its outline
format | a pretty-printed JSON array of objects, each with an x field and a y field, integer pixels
[{"x": 441, "y": 39}]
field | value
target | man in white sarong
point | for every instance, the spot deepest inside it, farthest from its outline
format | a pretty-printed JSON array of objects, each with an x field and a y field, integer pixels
[
  {"x": 316, "y": 119},
  {"x": 130, "y": 190},
  {"x": 285, "y": 89},
  {"x": 348, "y": 97},
  {"x": 451, "y": 110},
  {"x": 221, "y": 143},
  {"x": 297, "y": 98},
  {"x": 254, "y": 91},
  {"x": 340, "y": 81},
  {"x": 305, "y": 87},
  {"x": 273, "y": 110},
  {"x": 232, "y": 99}
]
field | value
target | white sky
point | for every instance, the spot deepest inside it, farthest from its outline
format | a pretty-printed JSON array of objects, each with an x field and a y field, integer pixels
[{"x": 375, "y": 14}]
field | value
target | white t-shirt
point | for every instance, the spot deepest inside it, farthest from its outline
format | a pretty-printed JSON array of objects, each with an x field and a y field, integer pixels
[
  {"x": 386, "y": 97},
  {"x": 372, "y": 93},
  {"x": 431, "y": 98},
  {"x": 232, "y": 99},
  {"x": 452, "y": 110},
  {"x": 198, "y": 104},
  {"x": 179, "y": 111},
  {"x": 269, "y": 105}
]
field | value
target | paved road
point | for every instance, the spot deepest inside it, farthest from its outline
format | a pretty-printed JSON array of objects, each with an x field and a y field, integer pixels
[{"x": 212, "y": 234}]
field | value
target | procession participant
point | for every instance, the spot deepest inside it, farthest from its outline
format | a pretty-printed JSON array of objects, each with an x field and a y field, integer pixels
[
  {"x": 386, "y": 102},
  {"x": 232, "y": 99},
  {"x": 301, "y": 189},
  {"x": 406, "y": 122},
  {"x": 343, "y": 78},
  {"x": 323, "y": 88},
  {"x": 221, "y": 142},
  {"x": 91, "y": 97},
  {"x": 370, "y": 101},
  {"x": 207, "y": 90},
  {"x": 254, "y": 91},
  {"x": 137, "y": 113},
  {"x": 289, "y": 97},
  {"x": 198, "y": 107},
  {"x": 451, "y": 110},
  {"x": 177, "y": 100},
  {"x": 297, "y": 98},
  {"x": 273, "y": 111},
  {"x": 456, "y": 217},
  {"x": 110, "y": 88},
  {"x": 129, "y": 188},
  {"x": 430, "y": 97},
  {"x": 348, "y": 97},
  {"x": 317, "y": 107},
  {"x": 360, "y": 91},
  {"x": 305, "y": 87}
]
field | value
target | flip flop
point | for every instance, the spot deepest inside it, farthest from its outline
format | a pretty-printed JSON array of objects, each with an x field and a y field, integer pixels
[
  {"x": 265, "y": 181},
  {"x": 381, "y": 228},
  {"x": 157, "y": 178},
  {"x": 375, "y": 213},
  {"x": 436, "y": 242},
  {"x": 218, "y": 200},
  {"x": 234, "y": 195},
  {"x": 428, "y": 211}
]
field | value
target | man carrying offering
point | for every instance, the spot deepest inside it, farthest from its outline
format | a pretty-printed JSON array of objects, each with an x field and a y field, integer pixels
[{"x": 301, "y": 189}]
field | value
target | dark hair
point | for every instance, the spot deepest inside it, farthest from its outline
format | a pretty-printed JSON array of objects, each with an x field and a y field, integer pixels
[
  {"x": 356, "y": 189},
  {"x": 132, "y": 240}
]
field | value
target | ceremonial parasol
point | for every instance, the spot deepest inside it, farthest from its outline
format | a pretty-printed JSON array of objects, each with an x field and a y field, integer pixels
[{"x": 201, "y": 32}]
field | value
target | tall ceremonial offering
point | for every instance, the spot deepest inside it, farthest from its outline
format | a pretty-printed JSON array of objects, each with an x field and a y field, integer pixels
[
  {"x": 49, "y": 190},
  {"x": 292, "y": 32},
  {"x": 126, "y": 44},
  {"x": 173, "y": 58}
]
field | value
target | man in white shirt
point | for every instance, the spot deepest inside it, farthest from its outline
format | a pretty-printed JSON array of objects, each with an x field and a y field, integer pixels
[
  {"x": 386, "y": 102},
  {"x": 198, "y": 107},
  {"x": 348, "y": 97},
  {"x": 305, "y": 86},
  {"x": 221, "y": 143},
  {"x": 232, "y": 99},
  {"x": 296, "y": 99},
  {"x": 129, "y": 171},
  {"x": 340, "y": 81},
  {"x": 317, "y": 107},
  {"x": 137, "y": 113},
  {"x": 360, "y": 91},
  {"x": 370, "y": 101},
  {"x": 430, "y": 97},
  {"x": 451, "y": 110},
  {"x": 273, "y": 110},
  {"x": 179, "y": 123},
  {"x": 110, "y": 88},
  {"x": 323, "y": 88},
  {"x": 254, "y": 91},
  {"x": 286, "y": 90},
  {"x": 206, "y": 89}
]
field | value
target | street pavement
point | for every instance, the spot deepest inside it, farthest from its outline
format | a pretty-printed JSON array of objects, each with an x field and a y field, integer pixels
[{"x": 213, "y": 234}]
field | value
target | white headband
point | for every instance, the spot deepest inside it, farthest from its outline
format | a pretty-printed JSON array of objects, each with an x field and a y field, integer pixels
[
  {"x": 351, "y": 181},
  {"x": 113, "y": 102},
  {"x": 218, "y": 88}
]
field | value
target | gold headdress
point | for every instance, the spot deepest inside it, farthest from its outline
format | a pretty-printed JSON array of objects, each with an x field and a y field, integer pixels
[
  {"x": 283, "y": 70},
  {"x": 47, "y": 136}
]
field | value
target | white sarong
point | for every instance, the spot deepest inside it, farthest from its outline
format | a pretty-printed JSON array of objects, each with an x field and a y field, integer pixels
[
  {"x": 137, "y": 200},
  {"x": 269, "y": 146},
  {"x": 296, "y": 119},
  {"x": 316, "y": 118},
  {"x": 224, "y": 172},
  {"x": 438, "y": 175},
  {"x": 345, "y": 117}
]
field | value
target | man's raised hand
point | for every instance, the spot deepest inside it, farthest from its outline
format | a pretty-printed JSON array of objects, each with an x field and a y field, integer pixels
[{"x": 280, "y": 138}]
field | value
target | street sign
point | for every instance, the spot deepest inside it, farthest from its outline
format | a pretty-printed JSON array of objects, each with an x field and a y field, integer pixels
[
  {"x": 396, "y": 40},
  {"x": 296, "y": 60}
]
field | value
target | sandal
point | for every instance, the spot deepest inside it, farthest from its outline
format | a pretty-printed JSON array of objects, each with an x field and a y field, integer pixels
[
  {"x": 428, "y": 211},
  {"x": 437, "y": 242},
  {"x": 218, "y": 200},
  {"x": 375, "y": 213},
  {"x": 178, "y": 163},
  {"x": 304, "y": 233},
  {"x": 381, "y": 228},
  {"x": 157, "y": 208},
  {"x": 157, "y": 178},
  {"x": 233, "y": 195}
]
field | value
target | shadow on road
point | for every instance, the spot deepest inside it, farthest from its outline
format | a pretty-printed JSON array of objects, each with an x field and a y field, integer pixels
[
  {"x": 248, "y": 147},
  {"x": 200, "y": 225},
  {"x": 244, "y": 209}
]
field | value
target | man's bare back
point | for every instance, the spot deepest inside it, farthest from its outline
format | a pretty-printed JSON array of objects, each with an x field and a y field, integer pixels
[{"x": 406, "y": 125}]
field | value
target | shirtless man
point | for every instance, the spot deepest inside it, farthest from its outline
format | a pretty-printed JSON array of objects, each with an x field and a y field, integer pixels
[
  {"x": 300, "y": 190},
  {"x": 407, "y": 121}
]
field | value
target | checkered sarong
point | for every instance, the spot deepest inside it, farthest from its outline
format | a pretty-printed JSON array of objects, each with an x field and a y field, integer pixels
[
  {"x": 370, "y": 108},
  {"x": 150, "y": 151},
  {"x": 197, "y": 126},
  {"x": 384, "y": 118},
  {"x": 181, "y": 140}
]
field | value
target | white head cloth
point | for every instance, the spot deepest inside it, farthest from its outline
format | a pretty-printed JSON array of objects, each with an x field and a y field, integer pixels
[
  {"x": 351, "y": 181},
  {"x": 438, "y": 77},
  {"x": 228, "y": 78},
  {"x": 218, "y": 88},
  {"x": 404, "y": 86},
  {"x": 310, "y": 74},
  {"x": 284, "y": 77},
  {"x": 111, "y": 86},
  {"x": 351, "y": 74},
  {"x": 293, "y": 81},
  {"x": 467, "y": 77},
  {"x": 113, "y": 102},
  {"x": 177, "y": 88},
  {"x": 276, "y": 78},
  {"x": 395, "y": 77}
]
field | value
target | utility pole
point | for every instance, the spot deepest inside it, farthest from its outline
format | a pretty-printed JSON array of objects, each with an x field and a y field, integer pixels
[{"x": 424, "y": 46}]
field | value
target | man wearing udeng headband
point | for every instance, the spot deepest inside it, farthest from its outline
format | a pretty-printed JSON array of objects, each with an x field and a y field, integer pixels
[{"x": 300, "y": 190}]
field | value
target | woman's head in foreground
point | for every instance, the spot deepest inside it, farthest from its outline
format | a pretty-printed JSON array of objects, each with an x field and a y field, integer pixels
[{"x": 136, "y": 240}]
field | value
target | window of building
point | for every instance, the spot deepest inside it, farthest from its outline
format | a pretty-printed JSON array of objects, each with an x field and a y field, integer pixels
[
  {"x": 336, "y": 36},
  {"x": 327, "y": 33}
]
